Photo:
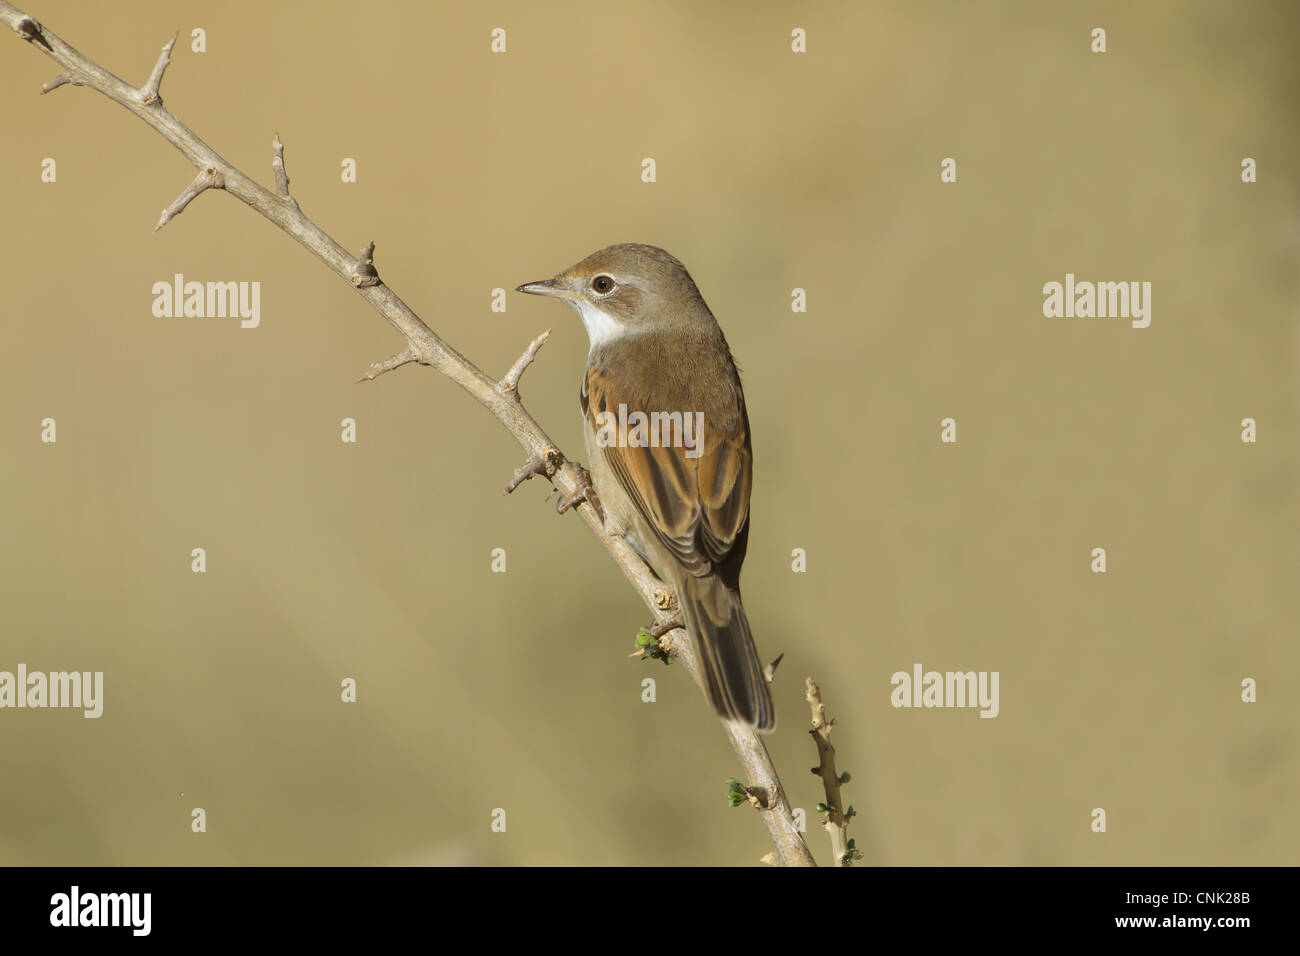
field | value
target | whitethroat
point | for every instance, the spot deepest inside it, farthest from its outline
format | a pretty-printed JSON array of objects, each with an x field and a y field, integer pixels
[{"x": 667, "y": 439}]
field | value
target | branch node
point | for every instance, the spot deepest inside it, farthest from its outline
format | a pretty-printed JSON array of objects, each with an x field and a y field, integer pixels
[
  {"x": 209, "y": 177},
  {"x": 30, "y": 30},
  {"x": 510, "y": 384},
  {"x": 149, "y": 92},
  {"x": 364, "y": 273},
  {"x": 664, "y": 599},
  {"x": 403, "y": 357}
]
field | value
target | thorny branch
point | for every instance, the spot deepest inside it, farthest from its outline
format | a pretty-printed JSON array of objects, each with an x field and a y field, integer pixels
[{"x": 424, "y": 346}]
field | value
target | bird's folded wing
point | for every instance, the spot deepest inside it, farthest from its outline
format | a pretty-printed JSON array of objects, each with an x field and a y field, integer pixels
[{"x": 697, "y": 506}]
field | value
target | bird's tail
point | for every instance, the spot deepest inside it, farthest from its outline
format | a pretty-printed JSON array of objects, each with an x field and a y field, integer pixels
[{"x": 733, "y": 677}]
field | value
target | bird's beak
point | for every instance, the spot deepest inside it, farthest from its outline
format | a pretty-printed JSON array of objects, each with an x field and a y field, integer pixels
[{"x": 552, "y": 287}]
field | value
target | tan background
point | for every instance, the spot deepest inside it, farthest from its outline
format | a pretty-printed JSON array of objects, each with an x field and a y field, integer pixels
[{"x": 480, "y": 690}]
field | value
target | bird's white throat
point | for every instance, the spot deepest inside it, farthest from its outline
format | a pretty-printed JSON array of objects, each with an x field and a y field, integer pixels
[{"x": 602, "y": 328}]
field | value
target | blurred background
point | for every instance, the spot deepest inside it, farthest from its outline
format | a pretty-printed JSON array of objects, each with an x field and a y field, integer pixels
[{"x": 775, "y": 170}]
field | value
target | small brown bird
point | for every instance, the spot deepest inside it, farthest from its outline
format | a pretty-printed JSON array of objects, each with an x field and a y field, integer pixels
[{"x": 667, "y": 439}]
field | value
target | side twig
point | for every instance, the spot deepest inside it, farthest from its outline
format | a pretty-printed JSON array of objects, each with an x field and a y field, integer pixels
[
  {"x": 837, "y": 817},
  {"x": 208, "y": 178}
]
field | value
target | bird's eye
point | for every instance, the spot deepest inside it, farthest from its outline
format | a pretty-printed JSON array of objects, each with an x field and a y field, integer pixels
[{"x": 602, "y": 285}]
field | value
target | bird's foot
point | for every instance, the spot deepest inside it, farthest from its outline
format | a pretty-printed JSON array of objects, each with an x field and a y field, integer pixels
[
  {"x": 586, "y": 492},
  {"x": 663, "y": 627}
]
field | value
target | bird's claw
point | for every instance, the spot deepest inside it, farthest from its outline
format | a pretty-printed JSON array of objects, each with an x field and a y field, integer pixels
[
  {"x": 586, "y": 492},
  {"x": 661, "y": 628}
]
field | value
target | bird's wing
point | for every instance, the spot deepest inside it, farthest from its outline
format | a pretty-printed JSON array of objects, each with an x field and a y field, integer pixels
[{"x": 698, "y": 507}]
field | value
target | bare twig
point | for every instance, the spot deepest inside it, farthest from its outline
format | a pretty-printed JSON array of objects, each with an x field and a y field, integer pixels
[
  {"x": 545, "y": 462},
  {"x": 510, "y": 384},
  {"x": 423, "y": 346},
  {"x": 837, "y": 817}
]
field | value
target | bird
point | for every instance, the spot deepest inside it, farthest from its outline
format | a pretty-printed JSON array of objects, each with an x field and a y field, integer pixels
[{"x": 668, "y": 445}]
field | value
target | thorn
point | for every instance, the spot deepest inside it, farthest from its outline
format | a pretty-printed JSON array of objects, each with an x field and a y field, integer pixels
[
  {"x": 387, "y": 365},
  {"x": 277, "y": 166},
  {"x": 149, "y": 92},
  {"x": 770, "y": 670},
  {"x": 61, "y": 80}
]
